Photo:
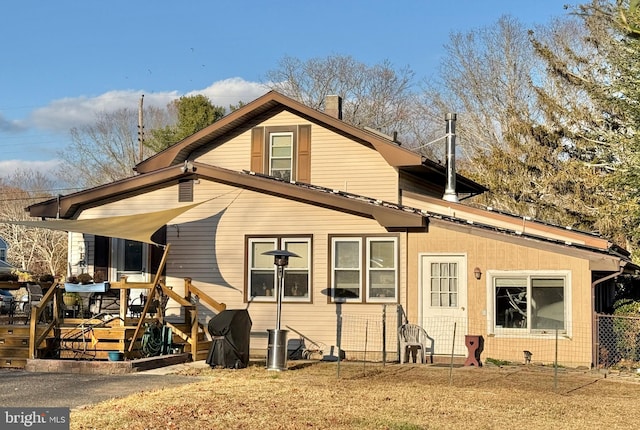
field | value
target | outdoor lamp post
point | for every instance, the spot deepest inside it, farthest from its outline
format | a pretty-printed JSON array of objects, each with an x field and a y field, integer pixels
[{"x": 277, "y": 349}]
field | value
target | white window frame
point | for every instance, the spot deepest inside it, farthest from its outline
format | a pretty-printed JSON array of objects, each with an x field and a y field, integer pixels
[
  {"x": 363, "y": 268},
  {"x": 307, "y": 240},
  {"x": 494, "y": 328},
  {"x": 278, "y": 242},
  {"x": 291, "y": 155},
  {"x": 251, "y": 268},
  {"x": 334, "y": 269},
  {"x": 370, "y": 269}
]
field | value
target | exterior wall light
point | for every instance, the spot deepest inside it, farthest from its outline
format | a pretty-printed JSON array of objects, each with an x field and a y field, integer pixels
[{"x": 477, "y": 273}]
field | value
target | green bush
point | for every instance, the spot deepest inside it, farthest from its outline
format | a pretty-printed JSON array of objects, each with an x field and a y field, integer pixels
[{"x": 627, "y": 329}]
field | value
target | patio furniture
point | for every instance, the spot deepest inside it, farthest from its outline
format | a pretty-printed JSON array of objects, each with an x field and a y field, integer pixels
[{"x": 414, "y": 338}]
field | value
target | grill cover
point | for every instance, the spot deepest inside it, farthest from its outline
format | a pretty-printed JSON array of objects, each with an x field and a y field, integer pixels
[{"x": 230, "y": 331}]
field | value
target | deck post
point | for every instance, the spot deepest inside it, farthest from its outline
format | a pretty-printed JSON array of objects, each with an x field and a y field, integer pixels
[
  {"x": 194, "y": 333},
  {"x": 187, "y": 296}
]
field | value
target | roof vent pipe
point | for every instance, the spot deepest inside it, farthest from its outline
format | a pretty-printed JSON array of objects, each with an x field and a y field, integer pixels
[{"x": 450, "y": 194}]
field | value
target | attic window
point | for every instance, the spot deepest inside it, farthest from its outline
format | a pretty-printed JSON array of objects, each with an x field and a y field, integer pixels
[
  {"x": 283, "y": 152},
  {"x": 185, "y": 191},
  {"x": 281, "y": 155}
]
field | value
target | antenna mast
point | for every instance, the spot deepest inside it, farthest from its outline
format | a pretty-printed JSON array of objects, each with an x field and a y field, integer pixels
[{"x": 140, "y": 129}]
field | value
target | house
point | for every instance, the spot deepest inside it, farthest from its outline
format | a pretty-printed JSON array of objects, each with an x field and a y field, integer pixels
[
  {"x": 376, "y": 241},
  {"x": 5, "y": 267}
]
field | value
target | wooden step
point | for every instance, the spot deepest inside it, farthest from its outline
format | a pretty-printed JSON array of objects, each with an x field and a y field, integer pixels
[
  {"x": 14, "y": 352},
  {"x": 14, "y": 330},
  {"x": 13, "y": 363},
  {"x": 11, "y": 341}
]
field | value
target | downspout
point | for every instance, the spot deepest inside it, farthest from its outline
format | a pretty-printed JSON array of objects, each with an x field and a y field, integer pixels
[
  {"x": 594, "y": 334},
  {"x": 406, "y": 282}
]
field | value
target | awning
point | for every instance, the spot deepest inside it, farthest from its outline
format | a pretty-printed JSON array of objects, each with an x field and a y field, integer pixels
[{"x": 138, "y": 227}]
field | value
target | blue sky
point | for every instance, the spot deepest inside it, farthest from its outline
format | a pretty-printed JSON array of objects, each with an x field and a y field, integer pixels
[{"x": 62, "y": 61}]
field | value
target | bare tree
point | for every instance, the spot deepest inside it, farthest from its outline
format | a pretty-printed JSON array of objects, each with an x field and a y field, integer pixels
[
  {"x": 107, "y": 150},
  {"x": 512, "y": 140},
  {"x": 34, "y": 250},
  {"x": 377, "y": 96}
]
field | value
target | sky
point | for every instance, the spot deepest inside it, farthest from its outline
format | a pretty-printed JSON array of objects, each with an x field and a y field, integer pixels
[{"x": 64, "y": 61}]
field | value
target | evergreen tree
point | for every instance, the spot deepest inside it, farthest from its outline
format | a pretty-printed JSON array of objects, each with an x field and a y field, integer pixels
[{"x": 192, "y": 114}]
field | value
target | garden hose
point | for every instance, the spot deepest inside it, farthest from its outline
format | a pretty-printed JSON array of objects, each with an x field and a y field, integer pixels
[{"x": 152, "y": 340}]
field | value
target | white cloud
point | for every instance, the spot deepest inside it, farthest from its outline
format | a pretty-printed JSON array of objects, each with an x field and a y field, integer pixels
[
  {"x": 231, "y": 91},
  {"x": 9, "y": 167},
  {"x": 63, "y": 114}
]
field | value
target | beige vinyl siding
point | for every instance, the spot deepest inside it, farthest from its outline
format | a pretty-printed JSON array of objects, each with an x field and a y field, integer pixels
[
  {"x": 75, "y": 246},
  {"x": 493, "y": 254},
  {"x": 336, "y": 161},
  {"x": 341, "y": 164},
  {"x": 207, "y": 245}
]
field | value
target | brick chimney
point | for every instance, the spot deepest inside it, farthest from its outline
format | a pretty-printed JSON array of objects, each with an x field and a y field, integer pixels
[{"x": 333, "y": 106}]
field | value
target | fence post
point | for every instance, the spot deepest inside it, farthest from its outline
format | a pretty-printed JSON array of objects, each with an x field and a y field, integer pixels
[
  {"x": 555, "y": 366},
  {"x": 384, "y": 334},
  {"x": 453, "y": 348}
]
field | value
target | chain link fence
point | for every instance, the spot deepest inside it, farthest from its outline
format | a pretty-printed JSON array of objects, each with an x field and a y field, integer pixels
[
  {"x": 372, "y": 337},
  {"x": 618, "y": 341}
]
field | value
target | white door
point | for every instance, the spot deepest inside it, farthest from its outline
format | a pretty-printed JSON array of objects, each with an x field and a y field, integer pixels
[
  {"x": 443, "y": 298},
  {"x": 131, "y": 258}
]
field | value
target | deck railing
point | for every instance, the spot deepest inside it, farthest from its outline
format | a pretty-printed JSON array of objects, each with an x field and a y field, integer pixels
[{"x": 157, "y": 293}]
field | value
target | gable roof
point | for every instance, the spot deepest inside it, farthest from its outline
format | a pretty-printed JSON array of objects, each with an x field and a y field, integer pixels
[{"x": 274, "y": 102}]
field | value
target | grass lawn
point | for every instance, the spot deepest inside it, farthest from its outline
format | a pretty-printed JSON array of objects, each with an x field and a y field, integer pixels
[{"x": 372, "y": 396}]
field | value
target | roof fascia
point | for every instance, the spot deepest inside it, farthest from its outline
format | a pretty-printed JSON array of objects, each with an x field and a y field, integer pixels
[
  {"x": 598, "y": 260},
  {"x": 69, "y": 205},
  {"x": 460, "y": 209},
  {"x": 394, "y": 154}
]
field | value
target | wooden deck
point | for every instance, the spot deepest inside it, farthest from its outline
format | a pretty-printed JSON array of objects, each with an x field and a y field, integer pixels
[
  {"x": 21, "y": 338},
  {"x": 81, "y": 340}
]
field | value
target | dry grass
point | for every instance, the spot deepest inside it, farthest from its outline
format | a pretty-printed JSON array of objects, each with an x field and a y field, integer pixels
[{"x": 376, "y": 397}]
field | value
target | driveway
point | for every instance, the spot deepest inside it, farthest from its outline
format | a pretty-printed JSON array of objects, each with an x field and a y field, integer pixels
[{"x": 26, "y": 389}]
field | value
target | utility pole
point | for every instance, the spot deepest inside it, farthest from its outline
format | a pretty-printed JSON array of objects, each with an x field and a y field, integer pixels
[{"x": 140, "y": 129}]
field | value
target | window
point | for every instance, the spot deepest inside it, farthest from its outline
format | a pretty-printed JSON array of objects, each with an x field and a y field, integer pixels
[
  {"x": 3, "y": 254},
  {"x": 369, "y": 263},
  {"x": 282, "y": 151},
  {"x": 262, "y": 275},
  {"x": 444, "y": 284},
  {"x": 530, "y": 303},
  {"x": 281, "y": 155}
]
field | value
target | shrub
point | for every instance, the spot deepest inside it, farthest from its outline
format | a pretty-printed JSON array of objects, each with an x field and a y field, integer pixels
[{"x": 84, "y": 278}]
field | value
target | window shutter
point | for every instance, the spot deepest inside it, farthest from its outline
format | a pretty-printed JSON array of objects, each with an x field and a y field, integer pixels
[
  {"x": 304, "y": 154},
  {"x": 257, "y": 150}
]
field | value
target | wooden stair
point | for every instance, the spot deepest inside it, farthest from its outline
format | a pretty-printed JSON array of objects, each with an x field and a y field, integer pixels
[
  {"x": 204, "y": 345},
  {"x": 95, "y": 343},
  {"x": 14, "y": 346}
]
